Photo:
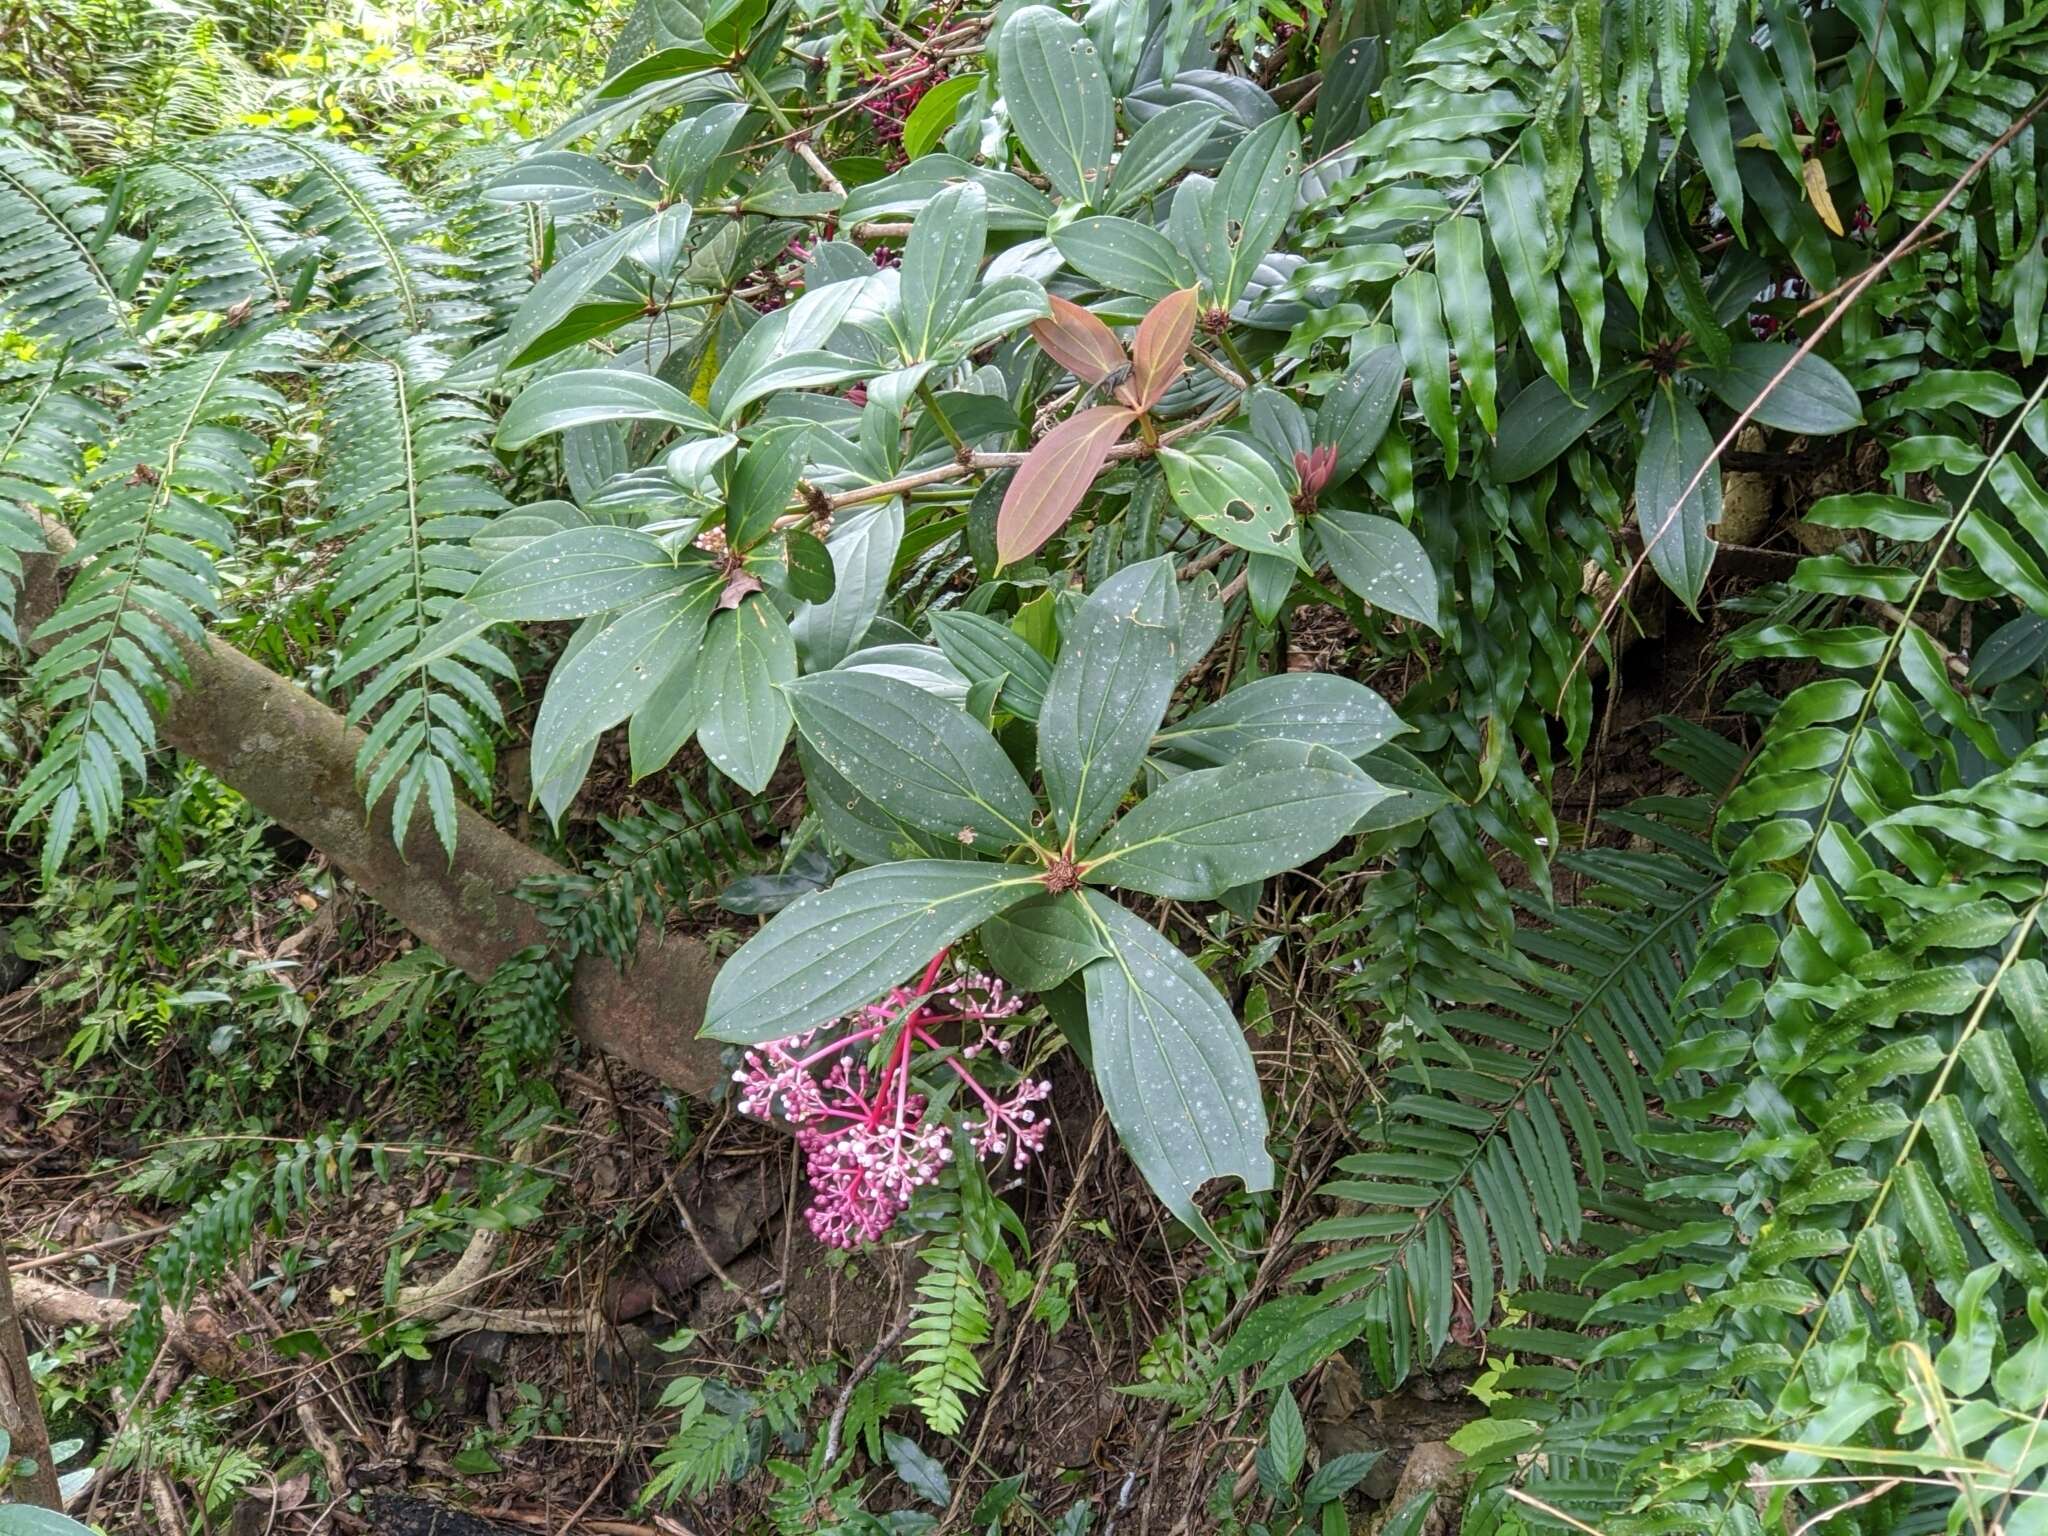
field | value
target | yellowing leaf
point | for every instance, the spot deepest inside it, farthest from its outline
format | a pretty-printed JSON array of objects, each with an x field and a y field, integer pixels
[{"x": 1816, "y": 179}]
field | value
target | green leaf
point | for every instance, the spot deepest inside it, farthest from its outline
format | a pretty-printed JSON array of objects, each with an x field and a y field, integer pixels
[
  {"x": 1124, "y": 256},
  {"x": 1468, "y": 308},
  {"x": 1058, "y": 98},
  {"x": 1543, "y": 421},
  {"x": 1381, "y": 561},
  {"x": 1286, "y": 1441},
  {"x": 1419, "y": 322},
  {"x": 921, "y": 1474},
  {"x": 586, "y": 396},
  {"x": 863, "y": 548},
  {"x": 1109, "y": 689},
  {"x": 1515, "y": 207},
  {"x": 919, "y": 758},
  {"x": 811, "y": 575},
  {"x": 933, "y": 114},
  {"x": 612, "y": 675},
  {"x": 1676, "y": 443},
  {"x": 1229, "y": 488},
  {"x": 1039, "y": 943},
  {"x": 1172, "y": 1067},
  {"x": 983, "y": 648},
  {"x": 1354, "y": 414},
  {"x": 748, "y": 655},
  {"x": 1249, "y": 206},
  {"x": 763, "y": 482},
  {"x": 563, "y": 286},
  {"x": 1163, "y": 144},
  {"x": 34, "y": 1520},
  {"x": 1814, "y": 399},
  {"x": 1198, "y": 835},
  {"x": 1316, "y": 707},
  {"x": 829, "y": 952},
  {"x": 579, "y": 572},
  {"x": 940, "y": 262}
]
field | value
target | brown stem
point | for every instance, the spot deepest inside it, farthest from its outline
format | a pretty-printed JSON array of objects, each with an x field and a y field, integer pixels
[
  {"x": 21, "y": 1416},
  {"x": 293, "y": 758}
]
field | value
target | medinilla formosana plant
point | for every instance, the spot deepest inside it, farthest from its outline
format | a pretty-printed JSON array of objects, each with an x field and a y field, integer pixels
[
  {"x": 1049, "y": 479},
  {"x": 1031, "y": 874}
]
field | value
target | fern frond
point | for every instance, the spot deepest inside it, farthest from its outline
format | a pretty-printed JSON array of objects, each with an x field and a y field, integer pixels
[
  {"x": 164, "y": 496},
  {"x": 217, "y": 1230},
  {"x": 46, "y": 425},
  {"x": 232, "y": 241},
  {"x": 389, "y": 279},
  {"x": 1495, "y": 1145},
  {"x": 520, "y": 1010},
  {"x": 64, "y": 275},
  {"x": 948, "y": 1322},
  {"x": 407, "y": 487},
  {"x": 651, "y": 865}
]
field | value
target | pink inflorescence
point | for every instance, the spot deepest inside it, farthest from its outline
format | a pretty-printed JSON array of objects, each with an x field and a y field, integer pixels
[{"x": 866, "y": 1140}]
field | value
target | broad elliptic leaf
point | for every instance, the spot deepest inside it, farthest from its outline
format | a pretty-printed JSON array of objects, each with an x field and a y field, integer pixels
[
  {"x": 748, "y": 655},
  {"x": 983, "y": 648},
  {"x": 863, "y": 548},
  {"x": 1162, "y": 145},
  {"x": 940, "y": 262},
  {"x": 575, "y": 273},
  {"x": 583, "y": 396},
  {"x": 1039, "y": 943},
  {"x": 1543, "y": 421},
  {"x": 1814, "y": 399},
  {"x": 1051, "y": 481},
  {"x": 1227, "y": 487},
  {"x": 763, "y": 482},
  {"x": 1200, "y": 834},
  {"x": 1317, "y": 707},
  {"x": 578, "y": 572},
  {"x": 1058, "y": 98},
  {"x": 1676, "y": 443},
  {"x": 614, "y": 673},
  {"x": 1381, "y": 561},
  {"x": 1109, "y": 689},
  {"x": 829, "y": 952},
  {"x": 920, "y": 759},
  {"x": 1250, "y": 205},
  {"x": 1354, "y": 414},
  {"x": 1124, "y": 256},
  {"x": 1172, "y": 1067}
]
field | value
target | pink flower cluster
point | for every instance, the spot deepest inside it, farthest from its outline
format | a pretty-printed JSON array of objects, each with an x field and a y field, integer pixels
[{"x": 868, "y": 1145}]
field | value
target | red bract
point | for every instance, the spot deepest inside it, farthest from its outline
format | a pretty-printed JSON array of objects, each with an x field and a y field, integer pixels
[
  {"x": 867, "y": 1143},
  {"x": 1313, "y": 470}
]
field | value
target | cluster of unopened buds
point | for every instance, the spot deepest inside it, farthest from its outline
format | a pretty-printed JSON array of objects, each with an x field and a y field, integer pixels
[
  {"x": 888, "y": 108},
  {"x": 868, "y": 1140}
]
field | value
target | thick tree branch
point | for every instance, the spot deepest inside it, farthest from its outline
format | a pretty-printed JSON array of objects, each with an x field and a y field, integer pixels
[{"x": 293, "y": 758}]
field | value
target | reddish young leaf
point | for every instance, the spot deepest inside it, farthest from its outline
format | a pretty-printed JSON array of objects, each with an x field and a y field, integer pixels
[
  {"x": 1054, "y": 477},
  {"x": 1163, "y": 338},
  {"x": 1079, "y": 342}
]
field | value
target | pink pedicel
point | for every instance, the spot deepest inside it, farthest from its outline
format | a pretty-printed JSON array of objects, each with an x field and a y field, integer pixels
[{"x": 866, "y": 1142}]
